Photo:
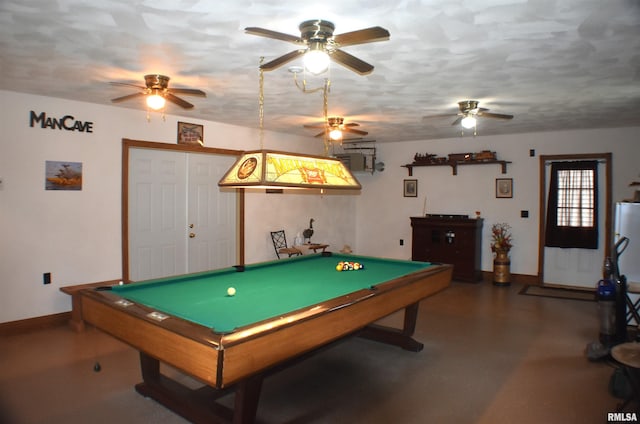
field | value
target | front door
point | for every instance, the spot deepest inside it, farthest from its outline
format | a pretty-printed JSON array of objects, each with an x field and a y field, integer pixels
[{"x": 573, "y": 267}]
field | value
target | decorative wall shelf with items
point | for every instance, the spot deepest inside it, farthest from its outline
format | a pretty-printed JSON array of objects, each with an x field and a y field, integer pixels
[{"x": 454, "y": 159}]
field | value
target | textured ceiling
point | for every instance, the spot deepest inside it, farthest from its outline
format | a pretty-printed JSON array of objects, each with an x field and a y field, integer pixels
[{"x": 554, "y": 64}]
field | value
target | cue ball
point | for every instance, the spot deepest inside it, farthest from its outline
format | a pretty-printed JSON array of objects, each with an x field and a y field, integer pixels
[{"x": 231, "y": 291}]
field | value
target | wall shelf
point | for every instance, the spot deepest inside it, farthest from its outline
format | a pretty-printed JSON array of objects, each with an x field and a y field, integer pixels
[{"x": 455, "y": 163}]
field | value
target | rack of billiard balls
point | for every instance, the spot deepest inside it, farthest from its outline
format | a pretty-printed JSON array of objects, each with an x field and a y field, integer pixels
[{"x": 349, "y": 266}]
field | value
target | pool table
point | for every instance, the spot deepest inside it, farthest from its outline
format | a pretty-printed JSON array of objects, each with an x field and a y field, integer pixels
[{"x": 281, "y": 310}]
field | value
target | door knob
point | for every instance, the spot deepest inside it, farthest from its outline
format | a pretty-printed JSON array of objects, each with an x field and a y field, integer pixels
[
  {"x": 190, "y": 225},
  {"x": 192, "y": 235}
]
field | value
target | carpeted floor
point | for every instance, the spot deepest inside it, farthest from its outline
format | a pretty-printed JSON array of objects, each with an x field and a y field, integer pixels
[
  {"x": 491, "y": 356},
  {"x": 559, "y": 293}
]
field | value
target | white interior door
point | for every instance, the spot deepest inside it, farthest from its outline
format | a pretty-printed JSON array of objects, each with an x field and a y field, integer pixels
[
  {"x": 179, "y": 219},
  {"x": 157, "y": 213},
  {"x": 211, "y": 214},
  {"x": 577, "y": 267}
]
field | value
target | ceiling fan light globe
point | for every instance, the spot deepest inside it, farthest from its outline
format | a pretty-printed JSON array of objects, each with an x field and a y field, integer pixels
[
  {"x": 155, "y": 101},
  {"x": 316, "y": 61},
  {"x": 468, "y": 122},
  {"x": 335, "y": 134}
]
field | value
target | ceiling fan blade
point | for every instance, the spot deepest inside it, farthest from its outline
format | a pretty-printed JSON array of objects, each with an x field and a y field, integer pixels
[
  {"x": 126, "y": 84},
  {"x": 357, "y": 140},
  {"x": 127, "y": 97},
  {"x": 494, "y": 115},
  {"x": 443, "y": 115},
  {"x": 273, "y": 34},
  {"x": 351, "y": 62},
  {"x": 457, "y": 121},
  {"x": 178, "y": 101},
  {"x": 276, "y": 63},
  {"x": 320, "y": 134},
  {"x": 367, "y": 35},
  {"x": 188, "y": 92},
  {"x": 352, "y": 124},
  {"x": 354, "y": 131},
  {"x": 314, "y": 126}
]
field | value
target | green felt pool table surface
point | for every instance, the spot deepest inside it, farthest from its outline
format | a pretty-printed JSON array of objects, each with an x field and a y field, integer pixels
[{"x": 264, "y": 290}]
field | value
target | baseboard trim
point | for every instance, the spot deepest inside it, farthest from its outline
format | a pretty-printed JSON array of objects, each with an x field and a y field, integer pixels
[
  {"x": 524, "y": 279},
  {"x": 33, "y": 324}
]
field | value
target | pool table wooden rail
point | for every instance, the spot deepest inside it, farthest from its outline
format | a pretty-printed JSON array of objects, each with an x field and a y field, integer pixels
[{"x": 224, "y": 360}]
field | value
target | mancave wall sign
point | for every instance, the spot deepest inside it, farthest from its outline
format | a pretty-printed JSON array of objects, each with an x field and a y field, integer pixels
[{"x": 67, "y": 122}]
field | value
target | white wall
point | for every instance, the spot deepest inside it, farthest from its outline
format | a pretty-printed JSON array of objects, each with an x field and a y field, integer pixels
[
  {"x": 76, "y": 235},
  {"x": 383, "y": 213}
]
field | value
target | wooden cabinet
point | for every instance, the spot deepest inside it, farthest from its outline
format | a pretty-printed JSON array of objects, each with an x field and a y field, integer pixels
[{"x": 450, "y": 239}]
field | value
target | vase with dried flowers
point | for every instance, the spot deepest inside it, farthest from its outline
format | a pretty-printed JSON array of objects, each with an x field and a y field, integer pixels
[{"x": 501, "y": 244}]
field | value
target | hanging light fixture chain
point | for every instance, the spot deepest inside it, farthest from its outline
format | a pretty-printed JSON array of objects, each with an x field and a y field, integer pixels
[
  {"x": 325, "y": 115},
  {"x": 261, "y": 105}
]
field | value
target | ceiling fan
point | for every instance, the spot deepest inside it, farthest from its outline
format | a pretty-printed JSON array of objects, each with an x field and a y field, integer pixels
[
  {"x": 157, "y": 91},
  {"x": 316, "y": 41},
  {"x": 335, "y": 127},
  {"x": 469, "y": 111}
]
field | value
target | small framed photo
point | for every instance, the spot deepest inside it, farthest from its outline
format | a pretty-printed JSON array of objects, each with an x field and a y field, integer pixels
[
  {"x": 190, "y": 133},
  {"x": 410, "y": 188},
  {"x": 504, "y": 188},
  {"x": 63, "y": 175}
]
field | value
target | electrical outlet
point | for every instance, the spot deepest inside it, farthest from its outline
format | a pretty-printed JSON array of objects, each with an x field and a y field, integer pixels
[
  {"x": 401, "y": 242},
  {"x": 46, "y": 278},
  {"x": 524, "y": 214}
]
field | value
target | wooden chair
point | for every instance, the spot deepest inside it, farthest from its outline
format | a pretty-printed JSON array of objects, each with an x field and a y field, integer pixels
[{"x": 279, "y": 240}]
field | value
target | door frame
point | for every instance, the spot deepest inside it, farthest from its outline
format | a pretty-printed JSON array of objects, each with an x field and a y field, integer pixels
[
  {"x": 128, "y": 144},
  {"x": 608, "y": 201}
]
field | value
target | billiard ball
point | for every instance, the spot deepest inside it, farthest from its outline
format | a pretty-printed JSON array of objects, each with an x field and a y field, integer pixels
[
  {"x": 231, "y": 291},
  {"x": 339, "y": 267}
]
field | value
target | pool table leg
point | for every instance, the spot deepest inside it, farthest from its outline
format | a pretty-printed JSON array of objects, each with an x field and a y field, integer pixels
[
  {"x": 246, "y": 399},
  {"x": 199, "y": 405},
  {"x": 398, "y": 337}
]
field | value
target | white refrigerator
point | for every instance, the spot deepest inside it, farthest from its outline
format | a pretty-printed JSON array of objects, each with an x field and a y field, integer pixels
[{"x": 627, "y": 224}]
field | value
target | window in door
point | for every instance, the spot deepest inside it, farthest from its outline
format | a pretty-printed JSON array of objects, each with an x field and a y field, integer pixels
[{"x": 572, "y": 213}]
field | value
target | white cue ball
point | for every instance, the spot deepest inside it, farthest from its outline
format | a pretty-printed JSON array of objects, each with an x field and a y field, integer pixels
[{"x": 231, "y": 291}]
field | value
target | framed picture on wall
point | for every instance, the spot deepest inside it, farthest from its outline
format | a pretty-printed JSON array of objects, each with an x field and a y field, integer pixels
[
  {"x": 504, "y": 188},
  {"x": 410, "y": 188},
  {"x": 190, "y": 133},
  {"x": 63, "y": 175}
]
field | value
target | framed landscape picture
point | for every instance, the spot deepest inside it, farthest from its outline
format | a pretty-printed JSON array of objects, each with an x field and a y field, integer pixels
[{"x": 63, "y": 175}]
